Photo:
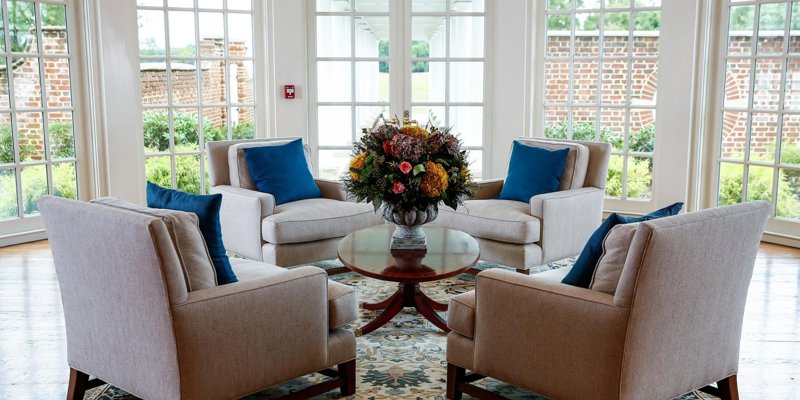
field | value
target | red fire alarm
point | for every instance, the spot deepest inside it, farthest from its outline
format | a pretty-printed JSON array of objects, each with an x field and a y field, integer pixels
[{"x": 288, "y": 91}]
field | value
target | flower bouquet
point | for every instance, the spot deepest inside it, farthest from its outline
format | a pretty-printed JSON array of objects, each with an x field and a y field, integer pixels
[{"x": 407, "y": 172}]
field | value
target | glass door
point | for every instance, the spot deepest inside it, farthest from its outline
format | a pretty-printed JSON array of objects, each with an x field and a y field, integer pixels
[{"x": 380, "y": 59}]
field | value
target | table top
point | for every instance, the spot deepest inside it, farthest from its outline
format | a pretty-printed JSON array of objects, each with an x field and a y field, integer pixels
[{"x": 449, "y": 253}]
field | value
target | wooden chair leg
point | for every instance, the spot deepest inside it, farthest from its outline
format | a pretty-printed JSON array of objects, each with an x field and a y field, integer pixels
[
  {"x": 347, "y": 373},
  {"x": 455, "y": 376},
  {"x": 78, "y": 383},
  {"x": 523, "y": 271},
  {"x": 728, "y": 389}
]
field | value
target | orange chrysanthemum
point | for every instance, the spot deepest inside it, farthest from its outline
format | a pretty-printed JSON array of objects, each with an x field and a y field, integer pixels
[
  {"x": 356, "y": 177},
  {"x": 414, "y": 131},
  {"x": 358, "y": 161},
  {"x": 434, "y": 181}
]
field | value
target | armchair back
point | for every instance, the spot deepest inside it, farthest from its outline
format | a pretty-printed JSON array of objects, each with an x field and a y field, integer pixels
[
  {"x": 217, "y": 153},
  {"x": 599, "y": 155},
  {"x": 685, "y": 283},
  {"x": 118, "y": 273}
]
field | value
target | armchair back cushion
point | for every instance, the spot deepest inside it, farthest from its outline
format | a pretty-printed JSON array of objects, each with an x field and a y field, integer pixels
[
  {"x": 240, "y": 175},
  {"x": 577, "y": 163},
  {"x": 184, "y": 230},
  {"x": 217, "y": 152},
  {"x": 282, "y": 171},
  {"x": 532, "y": 171},
  {"x": 118, "y": 273},
  {"x": 685, "y": 283}
]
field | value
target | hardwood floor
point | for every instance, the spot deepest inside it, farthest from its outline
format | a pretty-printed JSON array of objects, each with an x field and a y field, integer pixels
[{"x": 33, "y": 349}]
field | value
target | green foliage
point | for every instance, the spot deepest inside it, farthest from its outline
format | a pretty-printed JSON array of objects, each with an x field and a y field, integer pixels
[
  {"x": 187, "y": 172},
  {"x": 640, "y": 178},
  {"x": 156, "y": 130},
  {"x": 643, "y": 21},
  {"x": 640, "y": 141},
  {"x": 34, "y": 181},
  {"x": 22, "y": 19},
  {"x": 62, "y": 140},
  {"x": 759, "y": 188},
  {"x": 7, "y": 146},
  {"x": 773, "y": 17}
]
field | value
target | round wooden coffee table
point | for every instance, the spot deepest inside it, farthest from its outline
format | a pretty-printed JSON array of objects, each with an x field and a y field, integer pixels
[{"x": 367, "y": 252}]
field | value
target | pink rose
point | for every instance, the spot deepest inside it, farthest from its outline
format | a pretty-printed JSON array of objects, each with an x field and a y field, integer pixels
[
  {"x": 398, "y": 187},
  {"x": 405, "y": 167}
]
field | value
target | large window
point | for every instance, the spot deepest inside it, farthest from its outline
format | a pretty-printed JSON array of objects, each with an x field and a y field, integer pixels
[
  {"x": 759, "y": 118},
  {"x": 198, "y": 84},
  {"x": 601, "y": 78},
  {"x": 37, "y": 144},
  {"x": 361, "y": 81}
]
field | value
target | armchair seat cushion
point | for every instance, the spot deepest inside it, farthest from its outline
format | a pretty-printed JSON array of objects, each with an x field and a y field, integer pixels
[
  {"x": 461, "y": 314},
  {"x": 506, "y": 221},
  {"x": 342, "y": 304},
  {"x": 316, "y": 219}
]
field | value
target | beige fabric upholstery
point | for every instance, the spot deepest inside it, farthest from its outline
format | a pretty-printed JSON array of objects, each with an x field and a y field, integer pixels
[
  {"x": 506, "y": 221},
  {"x": 316, "y": 219},
  {"x": 615, "y": 251},
  {"x": 461, "y": 314},
  {"x": 158, "y": 341},
  {"x": 342, "y": 304},
  {"x": 237, "y": 162},
  {"x": 552, "y": 226},
  {"x": 290, "y": 234},
  {"x": 184, "y": 230},
  {"x": 577, "y": 160},
  {"x": 247, "y": 270},
  {"x": 673, "y": 325}
]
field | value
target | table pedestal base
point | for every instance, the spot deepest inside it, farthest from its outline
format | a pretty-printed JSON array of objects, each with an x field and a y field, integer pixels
[{"x": 407, "y": 295}]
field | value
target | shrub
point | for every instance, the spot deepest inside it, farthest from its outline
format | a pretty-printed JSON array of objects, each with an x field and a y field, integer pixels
[
  {"x": 639, "y": 141},
  {"x": 62, "y": 140},
  {"x": 640, "y": 178},
  {"x": 156, "y": 130},
  {"x": 7, "y": 146},
  {"x": 34, "y": 182},
  {"x": 760, "y": 188},
  {"x": 187, "y": 172}
]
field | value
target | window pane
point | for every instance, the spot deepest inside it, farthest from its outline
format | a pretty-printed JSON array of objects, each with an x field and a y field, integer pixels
[
  {"x": 644, "y": 82},
  {"x": 741, "y": 23},
  {"x": 22, "y": 27},
  {"x": 212, "y": 32},
  {"x": 794, "y": 33},
  {"x": 8, "y": 194},
  {"x": 240, "y": 74},
  {"x": 584, "y": 82},
  {"x": 180, "y": 3},
  {"x": 151, "y": 33},
  {"x": 584, "y": 123},
  {"x": 556, "y": 124},
  {"x": 240, "y": 35},
  {"x": 372, "y": 36},
  {"x": 61, "y": 134},
  {"x": 558, "y": 33},
  {"x": 468, "y": 5},
  {"x": 333, "y": 81},
  {"x": 187, "y": 173},
  {"x": 771, "y": 28},
  {"x": 612, "y": 127},
  {"x": 763, "y": 133},
  {"x": 4, "y": 103},
  {"x": 614, "y": 182},
  {"x": 428, "y": 33},
  {"x": 790, "y": 144},
  {"x": 789, "y": 193},
  {"x": 57, "y": 81},
  {"x": 333, "y": 164},
  {"x": 587, "y": 34},
  {"x": 185, "y": 126},
  {"x": 467, "y": 123},
  {"x": 27, "y": 88},
  {"x": 466, "y": 81},
  {"x": 243, "y": 122},
  {"x": 731, "y": 177},
  {"x": 556, "y": 79},
  {"x": 768, "y": 84},
  {"x": 617, "y": 3},
  {"x": 559, "y": 4},
  {"x": 428, "y": 5},
  {"x": 427, "y": 81},
  {"x": 154, "y": 3},
  {"x": 466, "y": 37},
  {"x": 34, "y": 185},
  {"x": 616, "y": 31},
  {"x": 372, "y": 6},
  {"x": 181, "y": 33},
  {"x": 65, "y": 181},
  {"x": 372, "y": 83},
  {"x": 646, "y": 37},
  {"x": 737, "y": 83},
  {"x": 587, "y": 4},
  {"x": 215, "y": 123},
  {"x": 648, "y": 3},
  {"x": 792, "y": 100},
  {"x": 213, "y": 82},
  {"x": 614, "y": 86},
  {"x": 184, "y": 82},
  {"x": 240, "y": 5},
  {"x": 734, "y": 129},
  {"x": 54, "y": 17},
  {"x": 30, "y": 136},
  {"x": 475, "y": 159},
  {"x": 642, "y": 127},
  {"x": 155, "y": 125},
  {"x": 335, "y": 126},
  {"x": 333, "y": 5},
  {"x": 6, "y": 140},
  {"x": 429, "y": 115},
  {"x": 759, "y": 183},
  {"x": 333, "y": 36},
  {"x": 371, "y": 117},
  {"x": 640, "y": 178},
  {"x": 158, "y": 170}
]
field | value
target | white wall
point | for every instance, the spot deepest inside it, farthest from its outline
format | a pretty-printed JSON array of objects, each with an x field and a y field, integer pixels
[{"x": 288, "y": 54}]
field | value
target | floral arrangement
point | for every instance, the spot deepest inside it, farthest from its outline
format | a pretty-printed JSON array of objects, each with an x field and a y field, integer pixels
[{"x": 409, "y": 168}]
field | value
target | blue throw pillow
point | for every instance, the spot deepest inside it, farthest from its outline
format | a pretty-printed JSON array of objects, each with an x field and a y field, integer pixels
[
  {"x": 207, "y": 209},
  {"x": 282, "y": 172},
  {"x": 583, "y": 270},
  {"x": 532, "y": 171}
]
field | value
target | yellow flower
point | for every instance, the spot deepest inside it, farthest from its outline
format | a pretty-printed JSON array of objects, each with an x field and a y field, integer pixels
[
  {"x": 414, "y": 131},
  {"x": 434, "y": 181},
  {"x": 465, "y": 173},
  {"x": 358, "y": 161},
  {"x": 356, "y": 177}
]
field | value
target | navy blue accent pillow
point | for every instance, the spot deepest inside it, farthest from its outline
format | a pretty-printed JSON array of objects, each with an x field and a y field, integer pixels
[
  {"x": 282, "y": 171},
  {"x": 532, "y": 171},
  {"x": 207, "y": 209},
  {"x": 581, "y": 273}
]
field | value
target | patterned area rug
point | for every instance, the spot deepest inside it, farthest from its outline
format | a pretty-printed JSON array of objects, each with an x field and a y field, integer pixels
[{"x": 404, "y": 359}]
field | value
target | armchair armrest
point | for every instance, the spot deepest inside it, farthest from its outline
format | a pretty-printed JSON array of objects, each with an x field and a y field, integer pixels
[
  {"x": 568, "y": 218},
  {"x": 488, "y": 189},
  {"x": 578, "y": 334},
  {"x": 331, "y": 189},
  {"x": 240, "y": 216},
  {"x": 256, "y": 332}
]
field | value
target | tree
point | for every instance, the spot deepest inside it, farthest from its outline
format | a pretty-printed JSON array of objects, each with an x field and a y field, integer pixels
[{"x": 22, "y": 21}]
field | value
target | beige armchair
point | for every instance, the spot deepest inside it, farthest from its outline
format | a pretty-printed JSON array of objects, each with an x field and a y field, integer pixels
[
  {"x": 550, "y": 226},
  {"x": 289, "y": 234},
  {"x": 130, "y": 320},
  {"x": 672, "y": 326}
]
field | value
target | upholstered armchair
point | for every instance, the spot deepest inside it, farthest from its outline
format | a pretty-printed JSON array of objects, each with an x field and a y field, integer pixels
[
  {"x": 673, "y": 324},
  {"x": 550, "y": 226},
  {"x": 132, "y": 322},
  {"x": 288, "y": 234}
]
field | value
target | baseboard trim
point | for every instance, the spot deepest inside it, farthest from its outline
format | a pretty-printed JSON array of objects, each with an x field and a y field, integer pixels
[{"x": 23, "y": 237}]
